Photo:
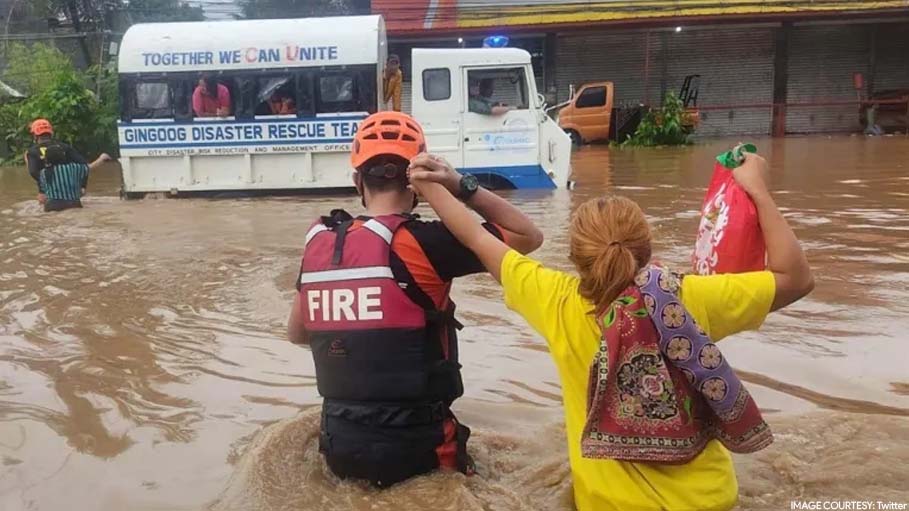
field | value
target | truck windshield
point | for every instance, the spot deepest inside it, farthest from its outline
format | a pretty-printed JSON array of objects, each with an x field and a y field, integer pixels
[{"x": 505, "y": 86}]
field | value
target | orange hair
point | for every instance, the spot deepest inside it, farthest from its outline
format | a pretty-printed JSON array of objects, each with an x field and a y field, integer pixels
[{"x": 610, "y": 243}]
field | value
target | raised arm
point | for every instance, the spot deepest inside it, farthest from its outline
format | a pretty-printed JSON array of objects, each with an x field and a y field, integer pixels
[
  {"x": 100, "y": 160},
  {"x": 785, "y": 257},
  {"x": 459, "y": 220},
  {"x": 520, "y": 233}
]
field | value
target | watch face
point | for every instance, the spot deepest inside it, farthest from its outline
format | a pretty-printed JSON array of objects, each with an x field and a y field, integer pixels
[{"x": 470, "y": 183}]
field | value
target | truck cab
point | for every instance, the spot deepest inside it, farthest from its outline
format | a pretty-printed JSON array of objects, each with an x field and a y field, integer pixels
[
  {"x": 588, "y": 115},
  {"x": 480, "y": 109}
]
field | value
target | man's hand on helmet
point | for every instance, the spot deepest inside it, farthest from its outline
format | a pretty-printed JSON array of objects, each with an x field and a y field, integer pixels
[{"x": 434, "y": 169}]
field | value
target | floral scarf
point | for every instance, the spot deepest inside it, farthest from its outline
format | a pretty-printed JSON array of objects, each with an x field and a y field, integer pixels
[{"x": 659, "y": 389}]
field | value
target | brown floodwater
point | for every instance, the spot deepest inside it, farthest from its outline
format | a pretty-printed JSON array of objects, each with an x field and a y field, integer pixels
[{"x": 143, "y": 365}]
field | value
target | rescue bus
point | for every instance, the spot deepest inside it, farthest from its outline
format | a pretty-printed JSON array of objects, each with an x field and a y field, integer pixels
[{"x": 294, "y": 92}]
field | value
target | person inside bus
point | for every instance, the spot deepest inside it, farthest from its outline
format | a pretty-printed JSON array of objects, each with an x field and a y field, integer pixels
[
  {"x": 373, "y": 304},
  {"x": 649, "y": 400},
  {"x": 59, "y": 170},
  {"x": 280, "y": 103},
  {"x": 211, "y": 99},
  {"x": 392, "y": 82},
  {"x": 480, "y": 99}
]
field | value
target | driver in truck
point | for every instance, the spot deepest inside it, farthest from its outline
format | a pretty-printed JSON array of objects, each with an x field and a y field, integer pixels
[{"x": 480, "y": 100}]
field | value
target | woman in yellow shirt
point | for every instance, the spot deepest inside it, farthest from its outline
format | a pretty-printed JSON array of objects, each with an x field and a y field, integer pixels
[{"x": 610, "y": 244}]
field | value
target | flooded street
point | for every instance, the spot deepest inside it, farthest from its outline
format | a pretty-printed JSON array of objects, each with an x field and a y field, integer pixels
[{"x": 144, "y": 366}]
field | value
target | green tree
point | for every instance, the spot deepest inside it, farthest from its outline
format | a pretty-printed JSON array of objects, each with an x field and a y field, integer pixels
[
  {"x": 62, "y": 95},
  {"x": 29, "y": 68},
  {"x": 662, "y": 126}
]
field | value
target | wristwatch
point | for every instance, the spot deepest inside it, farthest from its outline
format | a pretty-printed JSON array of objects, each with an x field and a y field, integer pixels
[{"x": 468, "y": 186}]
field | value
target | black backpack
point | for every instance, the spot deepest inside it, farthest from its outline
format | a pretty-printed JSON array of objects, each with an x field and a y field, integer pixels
[{"x": 52, "y": 153}]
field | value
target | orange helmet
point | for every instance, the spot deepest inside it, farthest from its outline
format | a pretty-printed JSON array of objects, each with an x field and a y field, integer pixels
[
  {"x": 41, "y": 127},
  {"x": 392, "y": 133}
]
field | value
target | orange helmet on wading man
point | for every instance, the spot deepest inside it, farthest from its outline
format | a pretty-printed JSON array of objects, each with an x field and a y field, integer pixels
[
  {"x": 41, "y": 127},
  {"x": 387, "y": 134}
]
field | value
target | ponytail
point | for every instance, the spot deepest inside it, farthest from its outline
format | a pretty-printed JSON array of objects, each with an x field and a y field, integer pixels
[{"x": 610, "y": 243}]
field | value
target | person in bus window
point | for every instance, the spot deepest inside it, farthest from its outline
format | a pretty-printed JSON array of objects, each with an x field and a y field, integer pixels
[
  {"x": 211, "y": 99},
  {"x": 480, "y": 99},
  {"x": 280, "y": 103},
  {"x": 392, "y": 82}
]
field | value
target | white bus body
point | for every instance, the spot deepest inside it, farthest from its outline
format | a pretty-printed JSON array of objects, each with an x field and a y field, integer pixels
[{"x": 298, "y": 90}]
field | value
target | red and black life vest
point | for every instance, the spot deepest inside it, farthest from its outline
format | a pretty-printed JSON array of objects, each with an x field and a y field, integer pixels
[{"x": 386, "y": 360}]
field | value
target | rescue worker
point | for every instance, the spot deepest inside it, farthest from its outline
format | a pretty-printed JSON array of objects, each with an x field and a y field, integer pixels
[
  {"x": 59, "y": 170},
  {"x": 373, "y": 304}
]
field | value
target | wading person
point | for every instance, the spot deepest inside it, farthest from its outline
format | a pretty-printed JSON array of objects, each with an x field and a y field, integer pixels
[
  {"x": 59, "y": 170},
  {"x": 373, "y": 304},
  {"x": 651, "y": 406}
]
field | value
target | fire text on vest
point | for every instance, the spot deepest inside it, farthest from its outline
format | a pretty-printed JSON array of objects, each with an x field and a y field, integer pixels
[{"x": 361, "y": 304}]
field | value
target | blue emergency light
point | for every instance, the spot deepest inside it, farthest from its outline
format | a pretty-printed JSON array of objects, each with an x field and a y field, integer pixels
[{"x": 495, "y": 41}]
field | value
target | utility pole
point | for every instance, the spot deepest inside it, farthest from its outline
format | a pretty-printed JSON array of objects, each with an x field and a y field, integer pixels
[{"x": 73, "y": 12}]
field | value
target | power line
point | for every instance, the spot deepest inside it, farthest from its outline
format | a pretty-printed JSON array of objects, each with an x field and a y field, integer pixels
[{"x": 47, "y": 35}]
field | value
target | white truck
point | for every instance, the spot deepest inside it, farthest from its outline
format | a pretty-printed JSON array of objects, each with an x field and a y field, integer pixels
[{"x": 290, "y": 95}]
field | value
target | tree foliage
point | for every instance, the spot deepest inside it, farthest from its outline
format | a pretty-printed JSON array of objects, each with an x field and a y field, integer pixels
[
  {"x": 64, "y": 96},
  {"x": 662, "y": 126}
]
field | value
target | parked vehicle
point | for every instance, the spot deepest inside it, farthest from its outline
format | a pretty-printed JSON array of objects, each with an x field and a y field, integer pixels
[{"x": 591, "y": 115}]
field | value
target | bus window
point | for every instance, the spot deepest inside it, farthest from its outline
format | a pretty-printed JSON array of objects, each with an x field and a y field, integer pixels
[
  {"x": 276, "y": 96},
  {"x": 498, "y": 87},
  {"x": 337, "y": 88},
  {"x": 216, "y": 102},
  {"x": 152, "y": 101},
  {"x": 337, "y": 92}
]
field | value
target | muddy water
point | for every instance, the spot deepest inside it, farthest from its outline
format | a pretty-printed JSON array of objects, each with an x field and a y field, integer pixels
[{"x": 142, "y": 365}]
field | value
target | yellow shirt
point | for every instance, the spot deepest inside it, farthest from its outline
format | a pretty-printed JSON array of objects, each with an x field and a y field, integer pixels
[
  {"x": 550, "y": 302},
  {"x": 392, "y": 86}
]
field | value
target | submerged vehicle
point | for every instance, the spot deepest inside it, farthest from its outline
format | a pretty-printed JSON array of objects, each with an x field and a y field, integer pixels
[{"x": 591, "y": 115}]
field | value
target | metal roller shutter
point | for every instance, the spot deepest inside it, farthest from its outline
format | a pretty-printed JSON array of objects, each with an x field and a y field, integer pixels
[
  {"x": 892, "y": 66},
  {"x": 735, "y": 64},
  {"x": 736, "y": 68},
  {"x": 615, "y": 56},
  {"x": 822, "y": 60}
]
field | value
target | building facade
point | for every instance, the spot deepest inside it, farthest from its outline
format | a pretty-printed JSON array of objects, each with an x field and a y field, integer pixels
[{"x": 768, "y": 67}]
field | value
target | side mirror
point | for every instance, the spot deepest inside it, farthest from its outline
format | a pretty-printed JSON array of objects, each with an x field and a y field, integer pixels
[{"x": 541, "y": 99}]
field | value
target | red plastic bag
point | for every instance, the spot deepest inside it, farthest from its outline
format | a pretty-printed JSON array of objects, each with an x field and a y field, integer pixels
[{"x": 729, "y": 235}]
